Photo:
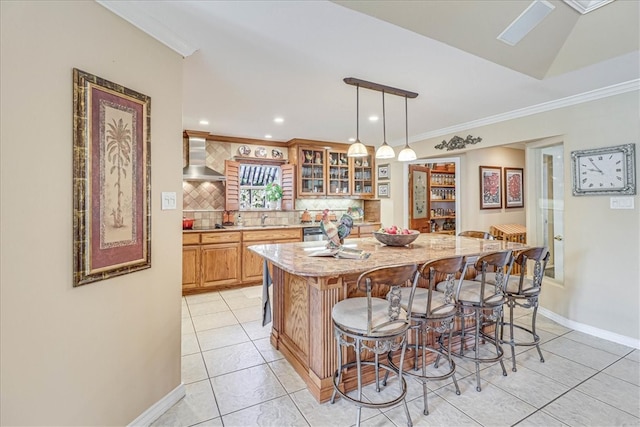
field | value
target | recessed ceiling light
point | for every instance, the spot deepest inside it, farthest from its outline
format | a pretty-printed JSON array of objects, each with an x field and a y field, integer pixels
[
  {"x": 204, "y": 122},
  {"x": 278, "y": 120},
  {"x": 373, "y": 118},
  {"x": 268, "y": 136}
]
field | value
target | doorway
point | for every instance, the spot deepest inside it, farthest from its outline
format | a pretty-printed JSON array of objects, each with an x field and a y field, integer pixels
[
  {"x": 417, "y": 216},
  {"x": 549, "y": 209}
]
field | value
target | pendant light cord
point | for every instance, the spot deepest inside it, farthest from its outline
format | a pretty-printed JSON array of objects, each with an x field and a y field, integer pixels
[
  {"x": 384, "y": 122},
  {"x": 358, "y": 113},
  {"x": 406, "y": 122}
]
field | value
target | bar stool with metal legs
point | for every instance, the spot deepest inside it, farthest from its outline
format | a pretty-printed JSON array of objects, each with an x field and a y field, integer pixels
[
  {"x": 523, "y": 291},
  {"x": 377, "y": 325},
  {"x": 477, "y": 234},
  {"x": 483, "y": 302},
  {"x": 433, "y": 311}
]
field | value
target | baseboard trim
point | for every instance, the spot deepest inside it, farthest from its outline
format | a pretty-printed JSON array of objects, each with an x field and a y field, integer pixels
[
  {"x": 160, "y": 407},
  {"x": 591, "y": 330}
]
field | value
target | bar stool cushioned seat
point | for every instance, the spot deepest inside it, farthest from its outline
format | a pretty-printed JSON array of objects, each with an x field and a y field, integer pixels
[
  {"x": 483, "y": 302},
  {"x": 433, "y": 312},
  {"x": 375, "y": 325}
]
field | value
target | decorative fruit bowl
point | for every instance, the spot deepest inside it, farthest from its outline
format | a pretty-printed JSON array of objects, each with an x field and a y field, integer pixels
[{"x": 396, "y": 239}]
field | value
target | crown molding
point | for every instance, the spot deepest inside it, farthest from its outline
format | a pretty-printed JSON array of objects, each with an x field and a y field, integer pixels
[
  {"x": 139, "y": 18},
  {"x": 630, "y": 86}
]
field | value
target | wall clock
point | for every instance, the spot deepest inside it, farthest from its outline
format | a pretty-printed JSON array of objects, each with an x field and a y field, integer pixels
[{"x": 609, "y": 170}]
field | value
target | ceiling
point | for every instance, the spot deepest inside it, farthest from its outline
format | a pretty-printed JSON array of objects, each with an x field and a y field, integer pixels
[{"x": 247, "y": 62}]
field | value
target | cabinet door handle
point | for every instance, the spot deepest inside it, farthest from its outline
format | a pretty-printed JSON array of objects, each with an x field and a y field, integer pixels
[{"x": 558, "y": 238}]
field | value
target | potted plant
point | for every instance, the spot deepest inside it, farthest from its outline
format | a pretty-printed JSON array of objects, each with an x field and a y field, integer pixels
[{"x": 273, "y": 193}]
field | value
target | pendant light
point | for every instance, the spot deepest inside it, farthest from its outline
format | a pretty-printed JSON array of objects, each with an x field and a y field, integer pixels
[
  {"x": 357, "y": 149},
  {"x": 407, "y": 154},
  {"x": 385, "y": 151}
]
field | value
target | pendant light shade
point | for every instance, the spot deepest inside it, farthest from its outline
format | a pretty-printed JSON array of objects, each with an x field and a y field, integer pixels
[
  {"x": 407, "y": 154},
  {"x": 385, "y": 151},
  {"x": 357, "y": 149}
]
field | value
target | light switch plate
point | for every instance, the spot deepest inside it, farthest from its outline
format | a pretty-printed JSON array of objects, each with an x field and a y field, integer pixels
[
  {"x": 621, "y": 203},
  {"x": 168, "y": 200}
]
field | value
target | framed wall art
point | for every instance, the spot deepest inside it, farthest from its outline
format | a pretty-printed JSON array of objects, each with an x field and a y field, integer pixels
[
  {"x": 513, "y": 188},
  {"x": 383, "y": 190},
  {"x": 490, "y": 187},
  {"x": 383, "y": 172},
  {"x": 111, "y": 179}
]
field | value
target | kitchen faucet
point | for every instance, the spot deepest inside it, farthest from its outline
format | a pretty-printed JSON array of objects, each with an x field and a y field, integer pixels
[{"x": 262, "y": 218}]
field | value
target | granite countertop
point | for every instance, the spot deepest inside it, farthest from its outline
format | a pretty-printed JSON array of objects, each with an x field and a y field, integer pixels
[
  {"x": 266, "y": 226},
  {"x": 294, "y": 257}
]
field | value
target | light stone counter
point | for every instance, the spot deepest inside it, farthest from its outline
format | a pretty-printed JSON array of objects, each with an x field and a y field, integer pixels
[
  {"x": 305, "y": 289},
  {"x": 294, "y": 257}
]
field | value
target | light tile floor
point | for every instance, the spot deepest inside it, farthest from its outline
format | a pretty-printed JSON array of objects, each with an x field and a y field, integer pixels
[{"x": 234, "y": 377}]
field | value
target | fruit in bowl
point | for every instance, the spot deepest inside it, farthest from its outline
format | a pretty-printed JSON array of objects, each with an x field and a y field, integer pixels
[{"x": 395, "y": 236}]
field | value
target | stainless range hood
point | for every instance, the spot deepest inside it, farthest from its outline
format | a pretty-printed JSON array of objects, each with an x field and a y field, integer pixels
[{"x": 196, "y": 169}]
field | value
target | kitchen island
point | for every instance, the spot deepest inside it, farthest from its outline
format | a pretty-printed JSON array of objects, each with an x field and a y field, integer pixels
[{"x": 305, "y": 289}]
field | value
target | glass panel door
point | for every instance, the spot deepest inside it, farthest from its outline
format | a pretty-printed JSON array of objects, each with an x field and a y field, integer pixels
[{"x": 550, "y": 207}]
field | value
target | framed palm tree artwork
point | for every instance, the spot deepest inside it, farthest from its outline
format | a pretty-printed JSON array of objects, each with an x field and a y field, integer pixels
[{"x": 111, "y": 179}]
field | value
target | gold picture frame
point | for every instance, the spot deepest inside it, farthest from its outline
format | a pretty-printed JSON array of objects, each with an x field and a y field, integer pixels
[{"x": 111, "y": 179}]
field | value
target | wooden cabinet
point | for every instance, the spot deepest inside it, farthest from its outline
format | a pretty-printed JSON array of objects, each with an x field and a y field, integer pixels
[
  {"x": 339, "y": 173},
  {"x": 442, "y": 201},
  {"x": 190, "y": 261},
  {"x": 363, "y": 175},
  {"x": 220, "y": 255},
  {"x": 221, "y": 259},
  {"x": 367, "y": 230},
  {"x": 312, "y": 177},
  {"x": 252, "y": 264},
  {"x": 324, "y": 170}
]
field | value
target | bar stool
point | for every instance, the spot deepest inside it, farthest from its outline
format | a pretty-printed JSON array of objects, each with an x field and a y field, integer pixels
[
  {"x": 523, "y": 291},
  {"x": 433, "y": 311},
  {"x": 483, "y": 302},
  {"x": 375, "y": 324}
]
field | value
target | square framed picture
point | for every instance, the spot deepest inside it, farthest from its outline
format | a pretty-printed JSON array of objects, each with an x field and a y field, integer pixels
[
  {"x": 490, "y": 187},
  {"x": 513, "y": 188},
  {"x": 383, "y": 172},
  {"x": 383, "y": 190}
]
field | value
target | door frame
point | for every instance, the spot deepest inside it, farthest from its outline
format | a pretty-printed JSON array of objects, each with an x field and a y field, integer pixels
[
  {"x": 532, "y": 178},
  {"x": 405, "y": 185}
]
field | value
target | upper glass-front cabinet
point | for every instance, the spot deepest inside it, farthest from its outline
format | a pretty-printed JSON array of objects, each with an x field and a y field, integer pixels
[
  {"x": 363, "y": 174},
  {"x": 339, "y": 183},
  {"x": 312, "y": 172}
]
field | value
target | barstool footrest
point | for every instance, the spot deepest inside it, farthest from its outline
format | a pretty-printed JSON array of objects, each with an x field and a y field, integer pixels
[{"x": 372, "y": 405}]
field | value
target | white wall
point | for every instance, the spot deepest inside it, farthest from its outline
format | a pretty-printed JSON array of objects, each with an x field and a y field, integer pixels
[
  {"x": 602, "y": 246},
  {"x": 103, "y": 353}
]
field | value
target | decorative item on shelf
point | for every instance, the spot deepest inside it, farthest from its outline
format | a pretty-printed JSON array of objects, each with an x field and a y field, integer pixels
[
  {"x": 273, "y": 192},
  {"x": 277, "y": 154},
  {"x": 261, "y": 152},
  {"x": 457, "y": 143},
  {"x": 308, "y": 156},
  {"x": 244, "y": 150},
  {"x": 609, "y": 170}
]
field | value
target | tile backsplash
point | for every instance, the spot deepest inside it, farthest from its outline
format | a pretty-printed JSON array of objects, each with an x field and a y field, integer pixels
[{"x": 204, "y": 201}]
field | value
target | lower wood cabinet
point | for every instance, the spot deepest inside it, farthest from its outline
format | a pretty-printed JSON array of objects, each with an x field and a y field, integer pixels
[
  {"x": 252, "y": 264},
  {"x": 222, "y": 259}
]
